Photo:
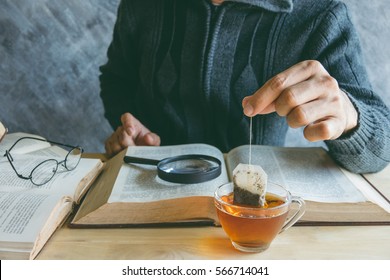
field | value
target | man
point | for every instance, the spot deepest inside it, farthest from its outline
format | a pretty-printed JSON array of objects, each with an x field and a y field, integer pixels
[{"x": 195, "y": 70}]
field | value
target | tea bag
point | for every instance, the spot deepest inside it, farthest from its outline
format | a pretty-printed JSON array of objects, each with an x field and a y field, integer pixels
[{"x": 250, "y": 183}]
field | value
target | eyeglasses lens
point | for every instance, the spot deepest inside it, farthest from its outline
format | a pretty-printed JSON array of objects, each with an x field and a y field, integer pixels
[
  {"x": 73, "y": 158},
  {"x": 43, "y": 172}
]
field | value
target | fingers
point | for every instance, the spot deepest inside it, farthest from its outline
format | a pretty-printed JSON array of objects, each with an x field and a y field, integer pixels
[
  {"x": 309, "y": 101},
  {"x": 263, "y": 100},
  {"x": 131, "y": 133},
  {"x": 141, "y": 136},
  {"x": 149, "y": 139},
  {"x": 118, "y": 141},
  {"x": 327, "y": 129},
  {"x": 131, "y": 125},
  {"x": 308, "y": 97}
]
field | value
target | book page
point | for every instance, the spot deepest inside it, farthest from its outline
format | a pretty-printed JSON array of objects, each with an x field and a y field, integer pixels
[
  {"x": 381, "y": 181},
  {"x": 371, "y": 193},
  {"x": 64, "y": 183},
  {"x": 306, "y": 172},
  {"x": 3, "y": 131},
  {"x": 140, "y": 183},
  {"x": 48, "y": 152},
  {"x": 23, "y": 146},
  {"x": 24, "y": 213}
]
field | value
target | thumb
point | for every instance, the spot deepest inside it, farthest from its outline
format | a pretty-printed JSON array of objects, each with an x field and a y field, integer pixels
[{"x": 250, "y": 109}]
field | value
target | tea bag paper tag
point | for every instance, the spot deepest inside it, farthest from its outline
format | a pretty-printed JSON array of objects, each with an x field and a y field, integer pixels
[{"x": 250, "y": 184}]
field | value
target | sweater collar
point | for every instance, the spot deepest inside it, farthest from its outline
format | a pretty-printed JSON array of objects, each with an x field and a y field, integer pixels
[{"x": 271, "y": 5}]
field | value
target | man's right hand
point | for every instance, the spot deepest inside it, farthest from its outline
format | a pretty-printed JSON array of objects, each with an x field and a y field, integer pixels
[{"x": 131, "y": 133}]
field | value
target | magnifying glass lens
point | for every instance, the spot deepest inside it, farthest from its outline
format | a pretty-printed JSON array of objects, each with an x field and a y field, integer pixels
[
  {"x": 184, "y": 169},
  {"x": 185, "y": 166}
]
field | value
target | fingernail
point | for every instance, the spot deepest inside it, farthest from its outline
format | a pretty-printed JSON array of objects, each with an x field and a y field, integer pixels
[{"x": 248, "y": 109}]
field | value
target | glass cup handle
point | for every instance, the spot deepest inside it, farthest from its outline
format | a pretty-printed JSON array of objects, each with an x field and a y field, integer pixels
[{"x": 298, "y": 214}]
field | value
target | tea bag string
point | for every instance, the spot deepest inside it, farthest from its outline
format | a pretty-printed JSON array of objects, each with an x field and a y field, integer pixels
[{"x": 250, "y": 142}]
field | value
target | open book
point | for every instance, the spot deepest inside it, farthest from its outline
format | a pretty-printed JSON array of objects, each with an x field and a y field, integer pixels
[
  {"x": 30, "y": 214},
  {"x": 3, "y": 131},
  {"x": 128, "y": 194}
]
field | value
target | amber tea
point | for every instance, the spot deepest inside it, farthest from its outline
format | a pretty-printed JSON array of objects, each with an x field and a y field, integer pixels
[{"x": 252, "y": 229}]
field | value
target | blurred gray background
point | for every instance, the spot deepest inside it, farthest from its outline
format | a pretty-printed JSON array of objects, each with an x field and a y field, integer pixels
[{"x": 50, "y": 52}]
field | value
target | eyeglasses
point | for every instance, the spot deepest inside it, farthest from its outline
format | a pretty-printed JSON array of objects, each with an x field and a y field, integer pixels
[{"x": 44, "y": 171}]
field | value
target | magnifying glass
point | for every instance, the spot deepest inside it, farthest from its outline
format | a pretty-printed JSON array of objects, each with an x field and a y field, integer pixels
[{"x": 184, "y": 169}]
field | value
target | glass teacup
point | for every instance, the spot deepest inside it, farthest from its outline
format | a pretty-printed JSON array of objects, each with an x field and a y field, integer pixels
[{"x": 252, "y": 229}]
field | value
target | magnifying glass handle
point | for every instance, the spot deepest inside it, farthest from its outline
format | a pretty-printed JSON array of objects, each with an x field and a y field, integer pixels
[{"x": 129, "y": 159}]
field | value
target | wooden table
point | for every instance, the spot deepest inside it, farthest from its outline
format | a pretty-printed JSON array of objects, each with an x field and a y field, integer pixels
[
  {"x": 298, "y": 242},
  {"x": 346, "y": 242}
]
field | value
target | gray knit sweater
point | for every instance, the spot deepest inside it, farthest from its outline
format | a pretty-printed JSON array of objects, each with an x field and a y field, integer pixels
[{"x": 182, "y": 67}]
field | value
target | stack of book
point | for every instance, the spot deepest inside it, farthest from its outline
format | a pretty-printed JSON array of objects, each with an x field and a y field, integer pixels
[{"x": 30, "y": 214}]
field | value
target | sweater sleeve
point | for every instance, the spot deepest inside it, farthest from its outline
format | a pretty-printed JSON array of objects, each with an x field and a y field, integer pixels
[
  {"x": 118, "y": 76},
  {"x": 336, "y": 45}
]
